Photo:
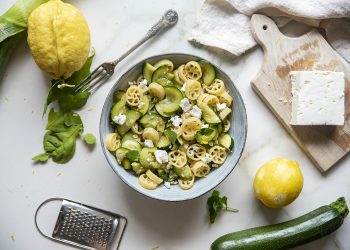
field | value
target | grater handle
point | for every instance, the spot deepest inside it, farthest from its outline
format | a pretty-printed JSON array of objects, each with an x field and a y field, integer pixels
[{"x": 36, "y": 216}]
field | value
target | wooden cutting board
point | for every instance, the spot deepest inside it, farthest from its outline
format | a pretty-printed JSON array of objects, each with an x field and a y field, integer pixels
[{"x": 325, "y": 145}]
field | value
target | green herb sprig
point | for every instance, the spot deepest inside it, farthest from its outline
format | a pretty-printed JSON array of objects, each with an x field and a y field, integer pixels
[
  {"x": 64, "y": 126},
  {"x": 216, "y": 204}
]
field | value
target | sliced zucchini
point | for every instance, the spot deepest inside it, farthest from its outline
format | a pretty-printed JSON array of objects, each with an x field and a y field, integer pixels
[
  {"x": 130, "y": 143},
  {"x": 153, "y": 121},
  {"x": 208, "y": 72},
  {"x": 120, "y": 154},
  {"x": 118, "y": 95},
  {"x": 209, "y": 115},
  {"x": 118, "y": 108},
  {"x": 131, "y": 117},
  {"x": 137, "y": 168},
  {"x": 126, "y": 164},
  {"x": 165, "y": 62},
  {"x": 227, "y": 141},
  {"x": 165, "y": 81},
  {"x": 164, "y": 143},
  {"x": 147, "y": 157},
  {"x": 148, "y": 70},
  {"x": 171, "y": 103},
  {"x": 205, "y": 135},
  {"x": 184, "y": 172},
  {"x": 146, "y": 103},
  {"x": 162, "y": 72}
]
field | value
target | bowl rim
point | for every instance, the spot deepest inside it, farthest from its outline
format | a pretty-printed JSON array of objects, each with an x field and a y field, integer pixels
[{"x": 105, "y": 151}]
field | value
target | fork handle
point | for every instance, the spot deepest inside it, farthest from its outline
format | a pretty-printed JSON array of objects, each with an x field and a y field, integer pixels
[{"x": 168, "y": 20}]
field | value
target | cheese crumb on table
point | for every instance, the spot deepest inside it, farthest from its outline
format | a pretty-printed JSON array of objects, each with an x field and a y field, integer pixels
[{"x": 317, "y": 98}]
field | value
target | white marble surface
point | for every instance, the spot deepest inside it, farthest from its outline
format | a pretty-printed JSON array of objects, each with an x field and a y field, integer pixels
[{"x": 116, "y": 25}]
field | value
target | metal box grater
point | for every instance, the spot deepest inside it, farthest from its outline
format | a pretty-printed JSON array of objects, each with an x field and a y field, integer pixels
[{"x": 85, "y": 226}]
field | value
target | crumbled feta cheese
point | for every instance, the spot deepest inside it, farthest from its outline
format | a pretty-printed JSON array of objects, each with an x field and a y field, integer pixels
[
  {"x": 196, "y": 112},
  {"x": 149, "y": 143},
  {"x": 205, "y": 125},
  {"x": 141, "y": 104},
  {"x": 143, "y": 86},
  {"x": 185, "y": 104},
  {"x": 221, "y": 106},
  {"x": 206, "y": 159},
  {"x": 183, "y": 87},
  {"x": 195, "y": 147},
  {"x": 176, "y": 120},
  {"x": 167, "y": 184},
  {"x": 144, "y": 82},
  {"x": 161, "y": 156},
  {"x": 215, "y": 165},
  {"x": 186, "y": 146},
  {"x": 119, "y": 119}
]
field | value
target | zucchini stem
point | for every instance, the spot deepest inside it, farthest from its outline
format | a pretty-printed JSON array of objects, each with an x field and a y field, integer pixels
[{"x": 340, "y": 206}]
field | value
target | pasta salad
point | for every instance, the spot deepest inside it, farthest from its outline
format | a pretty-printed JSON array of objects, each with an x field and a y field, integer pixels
[{"x": 171, "y": 124}]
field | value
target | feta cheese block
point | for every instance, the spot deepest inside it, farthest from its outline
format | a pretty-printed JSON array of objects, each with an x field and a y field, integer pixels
[{"x": 317, "y": 98}]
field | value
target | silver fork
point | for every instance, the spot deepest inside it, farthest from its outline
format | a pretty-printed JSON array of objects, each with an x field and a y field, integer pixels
[{"x": 106, "y": 70}]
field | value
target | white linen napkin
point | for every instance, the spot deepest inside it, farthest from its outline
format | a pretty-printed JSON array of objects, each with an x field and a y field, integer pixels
[{"x": 225, "y": 24}]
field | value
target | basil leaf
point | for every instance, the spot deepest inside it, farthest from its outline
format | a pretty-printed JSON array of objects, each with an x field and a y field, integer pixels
[
  {"x": 171, "y": 135},
  {"x": 73, "y": 101},
  {"x": 89, "y": 138},
  {"x": 216, "y": 203},
  {"x": 133, "y": 155},
  {"x": 81, "y": 74}
]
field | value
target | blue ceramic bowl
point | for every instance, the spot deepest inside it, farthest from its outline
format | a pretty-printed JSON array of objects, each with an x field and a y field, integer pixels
[{"x": 238, "y": 131}]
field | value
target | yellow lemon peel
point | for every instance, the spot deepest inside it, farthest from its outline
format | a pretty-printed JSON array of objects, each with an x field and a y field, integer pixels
[
  {"x": 58, "y": 38},
  {"x": 278, "y": 182}
]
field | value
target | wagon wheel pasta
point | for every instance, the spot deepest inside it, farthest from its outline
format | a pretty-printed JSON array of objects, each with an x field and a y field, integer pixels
[
  {"x": 196, "y": 152},
  {"x": 146, "y": 182},
  {"x": 137, "y": 129},
  {"x": 218, "y": 154},
  {"x": 186, "y": 183},
  {"x": 216, "y": 88},
  {"x": 225, "y": 97},
  {"x": 112, "y": 142},
  {"x": 150, "y": 134},
  {"x": 189, "y": 128},
  {"x": 177, "y": 158},
  {"x": 227, "y": 125},
  {"x": 200, "y": 169},
  {"x": 134, "y": 95},
  {"x": 193, "y": 89},
  {"x": 192, "y": 71}
]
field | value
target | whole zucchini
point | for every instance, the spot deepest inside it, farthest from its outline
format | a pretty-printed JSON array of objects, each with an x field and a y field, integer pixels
[{"x": 306, "y": 228}]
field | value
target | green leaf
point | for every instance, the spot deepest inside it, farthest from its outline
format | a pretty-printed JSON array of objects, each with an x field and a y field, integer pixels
[
  {"x": 81, "y": 74},
  {"x": 89, "y": 138},
  {"x": 171, "y": 135},
  {"x": 73, "y": 101},
  {"x": 72, "y": 119},
  {"x": 52, "y": 95},
  {"x": 61, "y": 145},
  {"x": 43, "y": 157},
  {"x": 133, "y": 155},
  {"x": 216, "y": 203},
  {"x": 56, "y": 121}
]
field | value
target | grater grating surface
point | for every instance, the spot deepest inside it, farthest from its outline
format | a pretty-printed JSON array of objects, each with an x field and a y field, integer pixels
[{"x": 87, "y": 227}]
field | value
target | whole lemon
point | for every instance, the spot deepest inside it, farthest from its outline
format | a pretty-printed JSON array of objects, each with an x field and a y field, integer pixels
[
  {"x": 58, "y": 38},
  {"x": 278, "y": 182}
]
